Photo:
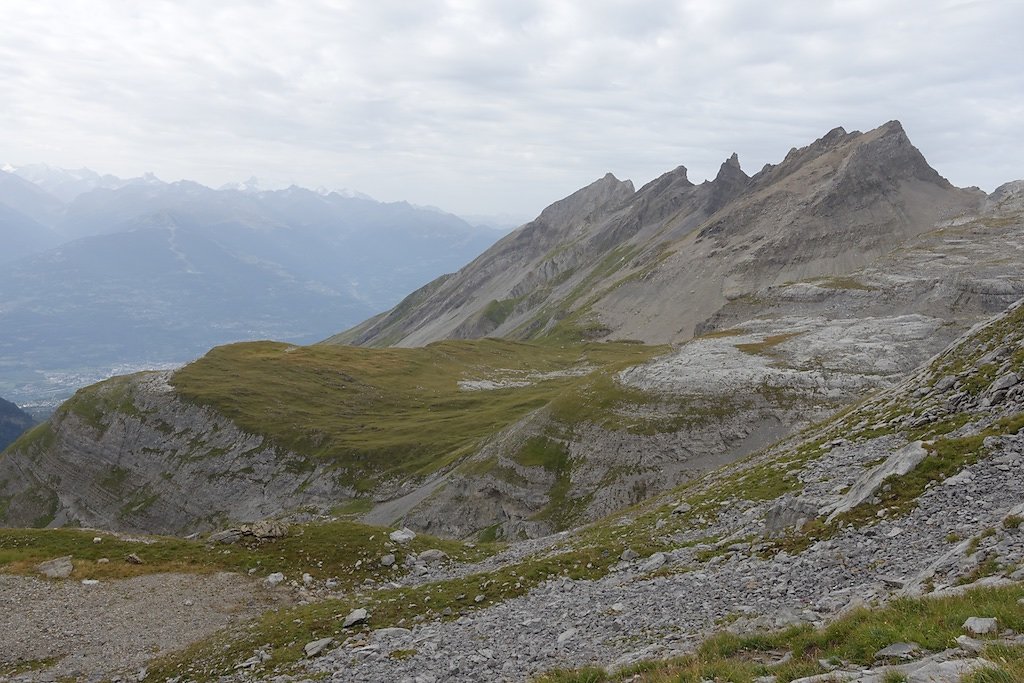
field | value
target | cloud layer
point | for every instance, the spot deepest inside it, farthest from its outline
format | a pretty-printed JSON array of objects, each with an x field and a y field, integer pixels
[{"x": 500, "y": 106}]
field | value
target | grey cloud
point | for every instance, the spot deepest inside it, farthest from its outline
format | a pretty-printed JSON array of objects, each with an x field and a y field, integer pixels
[{"x": 503, "y": 106}]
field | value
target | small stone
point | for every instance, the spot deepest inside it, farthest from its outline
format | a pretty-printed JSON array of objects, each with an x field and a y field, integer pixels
[
  {"x": 307, "y": 579},
  {"x": 682, "y": 509},
  {"x": 480, "y": 598},
  {"x": 356, "y": 616},
  {"x": 628, "y": 555},
  {"x": 97, "y": 539},
  {"x": 898, "y": 651},
  {"x": 188, "y": 603},
  {"x": 387, "y": 560},
  {"x": 317, "y": 646},
  {"x": 567, "y": 635},
  {"x": 274, "y": 579},
  {"x": 981, "y": 625},
  {"x": 132, "y": 558},
  {"x": 103, "y": 560},
  {"x": 90, "y": 582},
  {"x": 58, "y": 568},
  {"x": 403, "y": 535},
  {"x": 968, "y": 644}
]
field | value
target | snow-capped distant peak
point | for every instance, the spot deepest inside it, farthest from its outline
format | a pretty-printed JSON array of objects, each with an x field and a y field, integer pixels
[{"x": 253, "y": 184}]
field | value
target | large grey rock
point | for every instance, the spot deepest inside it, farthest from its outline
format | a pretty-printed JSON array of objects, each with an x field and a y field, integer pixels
[
  {"x": 402, "y": 535},
  {"x": 1005, "y": 382},
  {"x": 317, "y": 646},
  {"x": 788, "y": 512},
  {"x": 227, "y": 536},
  {"x": 654, "y": 562},
  {"x": 356, "y": 616},
  {"x": 981, "y": 625},
  {"x": 432, "y": 556},
  {"x": 269, "y": 528},
  {"x": 57, "y": 568},
  {"x": 902, "y": 461}
]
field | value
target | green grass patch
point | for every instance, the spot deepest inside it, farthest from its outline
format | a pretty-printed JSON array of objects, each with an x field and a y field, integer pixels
[
  {"x": 496, "y": 312},
  {"x": 766, "y": 345},
  {"x": 346, "y": 551},
  {"x": 393, "y": 412}
]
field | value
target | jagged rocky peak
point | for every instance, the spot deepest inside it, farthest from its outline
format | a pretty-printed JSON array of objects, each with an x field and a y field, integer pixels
[
  {"x": 606, "y": 192},
  {"x": 730, "y": 182},
  {"x": 887, "y": 155}
]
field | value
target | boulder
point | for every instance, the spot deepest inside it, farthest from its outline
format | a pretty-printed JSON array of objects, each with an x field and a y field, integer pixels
[
  {"x": 356, "y": 616},
  {"x": 403, "y": 535},
  {"x": 268, "y": 528},
  {"x": 431, "y": 556},
  {"x": 899, "y": 463},
  {"x": 227, "y": 536},
  {"x": 981, "y": 625},
  {"x": 58, "y": 568},
  {"x": 789, "y": 512},
  {"x": 274, "y": 579},
  {"x": 654, "y": 562},
  {"x": 317, "y": 646},
  {"x": 387, "y": 560}
]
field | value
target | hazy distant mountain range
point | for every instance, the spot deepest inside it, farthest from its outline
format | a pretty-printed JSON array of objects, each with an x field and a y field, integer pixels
[{"x": 102, "y": 274}]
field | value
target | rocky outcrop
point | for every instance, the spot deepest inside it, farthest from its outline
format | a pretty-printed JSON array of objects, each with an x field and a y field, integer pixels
[{"x": 130, "y": 455}]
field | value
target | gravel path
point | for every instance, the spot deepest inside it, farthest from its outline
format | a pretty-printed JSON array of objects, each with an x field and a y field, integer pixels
[{"x": 96, "y": 631}]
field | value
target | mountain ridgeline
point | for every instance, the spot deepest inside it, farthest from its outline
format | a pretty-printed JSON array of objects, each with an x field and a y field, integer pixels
[
  {"x": 654, "y": 264},
  {"x": 516, "y": 398}
]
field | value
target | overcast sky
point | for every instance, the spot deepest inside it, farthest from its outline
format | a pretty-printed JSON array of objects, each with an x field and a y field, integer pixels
[{"x": 503, "y": 105}]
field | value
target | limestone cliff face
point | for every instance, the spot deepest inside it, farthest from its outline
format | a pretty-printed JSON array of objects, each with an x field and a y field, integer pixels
[
  {"x": 138, "y": 458},
  {"x": 652, "y": 265}
]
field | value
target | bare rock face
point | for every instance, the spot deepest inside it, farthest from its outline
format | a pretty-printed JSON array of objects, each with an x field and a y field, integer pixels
[{"x": 153, "y": 463}]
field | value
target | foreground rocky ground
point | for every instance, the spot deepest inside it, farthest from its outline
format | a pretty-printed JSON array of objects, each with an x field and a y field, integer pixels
[{"x": 88, "y": 631}]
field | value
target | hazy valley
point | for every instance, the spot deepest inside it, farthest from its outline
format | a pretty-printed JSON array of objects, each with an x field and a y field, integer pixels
[{"x": 104, "y": 276}]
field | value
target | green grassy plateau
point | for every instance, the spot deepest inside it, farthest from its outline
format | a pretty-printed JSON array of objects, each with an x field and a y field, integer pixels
[{"x": 400, "y": 412}]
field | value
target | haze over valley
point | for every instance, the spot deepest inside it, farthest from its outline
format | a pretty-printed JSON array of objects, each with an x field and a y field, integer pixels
[{"x": 107, "y": 276}]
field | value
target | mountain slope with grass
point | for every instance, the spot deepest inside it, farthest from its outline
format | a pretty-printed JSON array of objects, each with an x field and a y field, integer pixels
[
  {"x": 858, "y": 549},
  {"x": 599, "y": 264},
  {"x": 507, "y": 439}
]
